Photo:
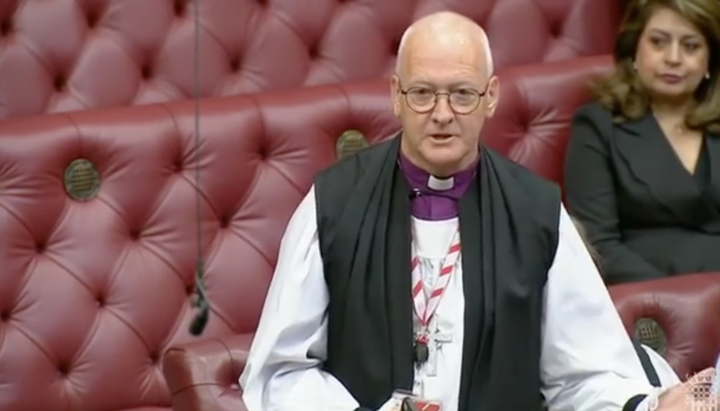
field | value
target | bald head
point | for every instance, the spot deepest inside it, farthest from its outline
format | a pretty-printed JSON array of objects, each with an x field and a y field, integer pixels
[
  {"x": 444, "y": 31},
  {"x": 443, "y": 90}
]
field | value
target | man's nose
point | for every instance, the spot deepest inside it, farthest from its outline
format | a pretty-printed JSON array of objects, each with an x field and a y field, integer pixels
[{"x": 442, "y": 113}]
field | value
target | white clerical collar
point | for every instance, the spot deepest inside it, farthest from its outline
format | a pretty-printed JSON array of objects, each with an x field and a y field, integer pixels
[{"x": 440, "y": 184}]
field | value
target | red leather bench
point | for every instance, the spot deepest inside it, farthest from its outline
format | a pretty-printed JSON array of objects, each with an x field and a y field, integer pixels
[{"x": 69, "y": 55}]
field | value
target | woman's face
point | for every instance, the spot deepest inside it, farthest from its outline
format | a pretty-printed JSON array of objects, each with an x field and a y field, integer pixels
[{"x": 672, "y": 56}]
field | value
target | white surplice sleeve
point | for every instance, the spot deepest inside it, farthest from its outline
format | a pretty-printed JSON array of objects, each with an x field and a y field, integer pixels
[
  {"x": 588, "y": 362},
  {"x": 283, "y": 369}
]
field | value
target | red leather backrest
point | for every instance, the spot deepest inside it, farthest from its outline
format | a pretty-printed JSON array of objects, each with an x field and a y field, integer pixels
[
  {"x": 686, "y": 309},
  {"x": 67, "y": 55},
  {"x": 537, "y": 103},
  {"x": 94, "y": 291}
]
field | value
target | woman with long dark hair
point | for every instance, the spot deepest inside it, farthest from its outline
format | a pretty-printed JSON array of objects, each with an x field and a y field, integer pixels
[{"x": 642, "y": 170}]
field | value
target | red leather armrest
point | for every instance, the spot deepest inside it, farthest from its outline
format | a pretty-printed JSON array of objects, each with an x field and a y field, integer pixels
[
  {"x": 203, "y": 375},
  {"x": 685, "y": 307}
]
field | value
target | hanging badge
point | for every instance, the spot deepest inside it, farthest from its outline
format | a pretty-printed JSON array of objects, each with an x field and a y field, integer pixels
[{"x": 408, "y": 402}]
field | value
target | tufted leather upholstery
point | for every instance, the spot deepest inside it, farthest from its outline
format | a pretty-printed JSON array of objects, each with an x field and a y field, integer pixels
[
  {"x": 94, "y": 292},
  {"x": 67, "y": 55},
  {"x": 687, "y": 310}
]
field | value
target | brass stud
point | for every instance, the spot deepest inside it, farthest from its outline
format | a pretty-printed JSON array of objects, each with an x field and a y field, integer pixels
[{"x": 349, "y": 143}]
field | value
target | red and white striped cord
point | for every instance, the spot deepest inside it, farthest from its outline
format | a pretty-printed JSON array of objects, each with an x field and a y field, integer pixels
[{"x": 425, "y": 305}]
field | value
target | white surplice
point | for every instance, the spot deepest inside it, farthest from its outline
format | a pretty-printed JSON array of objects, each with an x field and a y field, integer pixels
[{"x": 587, "y": 360}]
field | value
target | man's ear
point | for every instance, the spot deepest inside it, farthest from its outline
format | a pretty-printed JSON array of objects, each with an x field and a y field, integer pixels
[
  {"x": 395, "y": 94},
  {"x": 492, "y": 95}
]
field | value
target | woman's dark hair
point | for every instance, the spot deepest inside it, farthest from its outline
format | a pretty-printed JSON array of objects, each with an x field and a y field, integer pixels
[{"x": 623, "y": 94}]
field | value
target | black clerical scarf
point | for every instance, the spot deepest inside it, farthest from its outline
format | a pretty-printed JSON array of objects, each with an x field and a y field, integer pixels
[{"x": 509, "y": 232}]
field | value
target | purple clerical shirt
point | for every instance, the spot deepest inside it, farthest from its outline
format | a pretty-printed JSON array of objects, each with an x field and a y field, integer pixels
[{"x": 436, "y": 198}]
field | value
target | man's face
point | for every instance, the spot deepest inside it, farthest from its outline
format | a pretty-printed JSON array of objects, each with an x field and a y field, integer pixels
[
  {"x": 672, "y": 56},
  {"x": 443, "y": 136}
]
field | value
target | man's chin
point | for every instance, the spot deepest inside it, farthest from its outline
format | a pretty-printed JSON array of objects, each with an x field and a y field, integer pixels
[{"x": 444, "y": 161}]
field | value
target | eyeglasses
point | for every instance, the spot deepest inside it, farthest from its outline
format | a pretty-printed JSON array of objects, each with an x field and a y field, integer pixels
[{"x": 423, "y": 99}]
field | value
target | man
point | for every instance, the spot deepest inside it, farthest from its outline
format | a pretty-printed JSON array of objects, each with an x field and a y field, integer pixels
[{"x": 428, "y": 264}]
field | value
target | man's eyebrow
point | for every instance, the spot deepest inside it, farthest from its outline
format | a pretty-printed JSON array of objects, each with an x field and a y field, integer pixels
[{"x": 455, "y": 85}]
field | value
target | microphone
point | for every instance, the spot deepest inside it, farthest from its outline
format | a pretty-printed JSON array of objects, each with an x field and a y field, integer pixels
[
  {"x": 200, "y": 302},
  {"x": 417, "y": 193}
]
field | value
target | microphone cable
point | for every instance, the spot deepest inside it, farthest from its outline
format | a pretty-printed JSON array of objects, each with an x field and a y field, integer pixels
[{"x": 200, "y": 302}]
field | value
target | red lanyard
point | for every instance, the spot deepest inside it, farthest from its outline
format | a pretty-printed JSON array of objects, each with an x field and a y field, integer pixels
[{"x": 426, "y": 305}]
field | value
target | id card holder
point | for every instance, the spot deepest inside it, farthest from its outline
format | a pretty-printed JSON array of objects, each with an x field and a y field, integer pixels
[{"x": 410, "y": 402}]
